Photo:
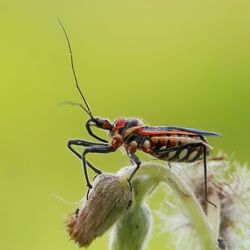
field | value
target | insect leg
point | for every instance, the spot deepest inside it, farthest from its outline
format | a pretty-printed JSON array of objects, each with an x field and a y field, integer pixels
[
  {"x": 205, "y": 175},
  {"x": 94, "y": 149},
  {"x": 221, "y": 243},
  {"x": 83, "y": 143},
  {"x": 205, "y": 171},
  {"x": 80, "y": 142},
  {"x": 134, "y": 158},
  {"x": 97, "y": 171},
  {"x": 198, "y": 144}
]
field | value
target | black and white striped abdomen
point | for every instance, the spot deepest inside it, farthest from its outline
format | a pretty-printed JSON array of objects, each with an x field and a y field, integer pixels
[
  {"x": 189, "y": 153},
  {"x": 179, "y": 148}
]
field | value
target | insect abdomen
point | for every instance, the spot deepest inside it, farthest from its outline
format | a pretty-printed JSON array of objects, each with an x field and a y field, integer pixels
[
  {"x": 176, "y": 148},
  {"x": 189, "y": 154}
]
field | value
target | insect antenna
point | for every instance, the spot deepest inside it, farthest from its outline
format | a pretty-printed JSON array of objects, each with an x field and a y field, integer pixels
[
  {"x": 74, "y": 104},
  {"x": 87, "y": 110}
]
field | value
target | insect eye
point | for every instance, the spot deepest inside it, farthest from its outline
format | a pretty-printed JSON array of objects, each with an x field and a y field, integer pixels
[
  {"x": 106, "y": 125},
  {"x": 120, "y": 123}
]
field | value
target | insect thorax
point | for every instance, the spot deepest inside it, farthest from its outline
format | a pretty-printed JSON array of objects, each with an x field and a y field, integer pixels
[{"x": 125, "y": 127}]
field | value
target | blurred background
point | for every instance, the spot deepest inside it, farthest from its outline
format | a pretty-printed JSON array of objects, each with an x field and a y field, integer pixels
[{"x": 182, "y": 63}]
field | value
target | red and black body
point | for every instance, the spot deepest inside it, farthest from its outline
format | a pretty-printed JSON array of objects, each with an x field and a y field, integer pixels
[
  {"x": 172, "y": 144},
  {"x": 168, "y": 143}
]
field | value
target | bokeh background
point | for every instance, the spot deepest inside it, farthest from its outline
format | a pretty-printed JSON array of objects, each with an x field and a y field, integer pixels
[{"x": 180, "y": 63}]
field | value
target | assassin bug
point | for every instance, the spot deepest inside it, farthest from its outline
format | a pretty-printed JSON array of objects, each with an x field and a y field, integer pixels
[{"x": 168, "y": 143}]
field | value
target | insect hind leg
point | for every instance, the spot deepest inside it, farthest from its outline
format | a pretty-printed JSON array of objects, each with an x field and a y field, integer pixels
[
  {"x": 205, "y": 175},
  {"x": 193, "y": 145}
]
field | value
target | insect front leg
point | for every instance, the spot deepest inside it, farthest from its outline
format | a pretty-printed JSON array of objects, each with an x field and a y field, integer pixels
[
  {"x": 103, "y": 149},
  {"x": 86, "y": 163},
  {"x": 79, "y": 142}
]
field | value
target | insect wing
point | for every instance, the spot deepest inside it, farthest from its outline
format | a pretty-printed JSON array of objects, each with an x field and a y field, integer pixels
[
  {"x": 162, "y": 130},
  {"x": 195, "y": 131}
]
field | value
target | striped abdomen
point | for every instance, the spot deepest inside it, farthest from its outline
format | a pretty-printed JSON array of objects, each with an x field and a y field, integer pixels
[{"x": 176, "y": 148}]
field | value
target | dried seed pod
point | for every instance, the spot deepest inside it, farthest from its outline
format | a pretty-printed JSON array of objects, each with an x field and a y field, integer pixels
[{"x": 108, "y": 199}]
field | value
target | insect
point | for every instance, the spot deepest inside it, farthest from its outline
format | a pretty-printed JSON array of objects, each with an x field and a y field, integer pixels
[{"x": 168, "y": 143}]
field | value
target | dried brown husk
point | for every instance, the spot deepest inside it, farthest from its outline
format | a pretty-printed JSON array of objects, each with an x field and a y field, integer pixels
[{"x": 108, "y": 199}]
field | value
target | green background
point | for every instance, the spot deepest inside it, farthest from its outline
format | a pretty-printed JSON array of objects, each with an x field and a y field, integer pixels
[{"x": 180, "y": 63}]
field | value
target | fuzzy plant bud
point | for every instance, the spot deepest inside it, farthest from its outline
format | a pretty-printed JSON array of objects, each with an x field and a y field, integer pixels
[
  {"x": 108, "y": 199},
  {"x": 196, "y": 223}
]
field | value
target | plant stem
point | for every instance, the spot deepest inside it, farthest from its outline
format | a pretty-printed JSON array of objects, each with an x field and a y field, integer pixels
[{"x": 157, "y": 173}]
